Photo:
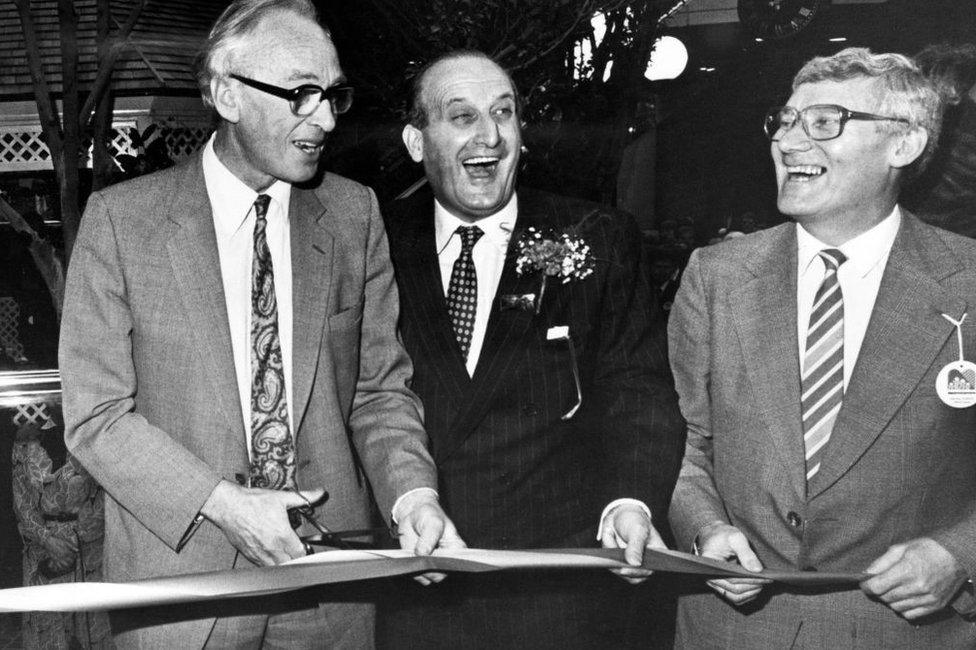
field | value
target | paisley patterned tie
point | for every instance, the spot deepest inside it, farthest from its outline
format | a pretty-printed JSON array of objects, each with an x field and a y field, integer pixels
[{"x": 272, "y": 445}]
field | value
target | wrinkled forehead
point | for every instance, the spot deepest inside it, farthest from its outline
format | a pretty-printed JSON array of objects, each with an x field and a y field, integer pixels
[
  {"x": 857, "y": 94},
  {"x": 466, "y": 80},
  {"x": 287, "y": 46}
]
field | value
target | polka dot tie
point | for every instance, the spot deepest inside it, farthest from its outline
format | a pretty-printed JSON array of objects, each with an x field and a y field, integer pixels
[
  {"x": 462, "y": 292},
  {"x": 272, "y": 445}
]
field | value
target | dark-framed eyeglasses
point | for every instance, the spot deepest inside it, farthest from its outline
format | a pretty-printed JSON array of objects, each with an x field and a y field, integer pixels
[
  {"x": 305, "y": 99},
  {"x": 819, "y": 122}
]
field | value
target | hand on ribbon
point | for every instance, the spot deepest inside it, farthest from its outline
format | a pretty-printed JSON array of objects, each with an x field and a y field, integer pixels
[
  {"x": 423, "y": 526},
  {"x": 629, "y": 527},
  {"x": 255, "y": 520},
  {"x": 916, "y": 578},
  {"x": 723, "y": 541}
]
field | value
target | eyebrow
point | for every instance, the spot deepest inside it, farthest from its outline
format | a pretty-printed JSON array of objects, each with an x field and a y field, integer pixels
[
  {"x": 308, "y": 76},
  {"x": 465, "y": 100}
]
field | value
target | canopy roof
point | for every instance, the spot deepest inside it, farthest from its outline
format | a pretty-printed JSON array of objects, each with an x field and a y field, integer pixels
[{"x": 156, "y": 59}]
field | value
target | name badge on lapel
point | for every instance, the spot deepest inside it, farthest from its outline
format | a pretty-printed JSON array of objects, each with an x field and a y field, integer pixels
[{"x": 956, "y": 382}]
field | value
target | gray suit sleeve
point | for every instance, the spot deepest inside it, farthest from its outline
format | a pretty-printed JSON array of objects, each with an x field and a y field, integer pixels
[
  {"x": 696, "y": 501},
  {"x": 151, "y": 475},
  {"x": 386, "y": 418}
]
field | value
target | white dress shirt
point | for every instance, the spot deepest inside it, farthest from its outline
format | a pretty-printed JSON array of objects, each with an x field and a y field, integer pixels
[
  {"x": 489, "y": 259},
  {"x": 232, "y": 203},
  {"x": 859, "y": 277}
]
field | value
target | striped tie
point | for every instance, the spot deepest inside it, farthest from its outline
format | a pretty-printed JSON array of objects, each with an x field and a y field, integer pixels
[{"x": 823, "y": 363}]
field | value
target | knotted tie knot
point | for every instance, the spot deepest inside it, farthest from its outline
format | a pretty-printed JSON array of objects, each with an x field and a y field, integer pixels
[
  {"x": 469, "y": 237},
  {"x": 832, "y": 258}
]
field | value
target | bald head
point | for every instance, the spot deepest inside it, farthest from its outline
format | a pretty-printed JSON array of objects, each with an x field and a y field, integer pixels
[{"x": 418, "y": 113}]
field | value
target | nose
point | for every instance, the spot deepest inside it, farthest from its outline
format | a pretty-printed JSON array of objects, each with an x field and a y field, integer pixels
[
  {"x": 792, "y": 139},
  {"x": 323, "y": 116},
  {"x": 488, "y": 133}
]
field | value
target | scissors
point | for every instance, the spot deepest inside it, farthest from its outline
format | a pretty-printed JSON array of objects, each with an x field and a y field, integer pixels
[{"x": 335, "y": 539}]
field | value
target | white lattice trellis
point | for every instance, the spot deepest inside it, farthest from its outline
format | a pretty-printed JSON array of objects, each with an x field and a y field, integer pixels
[
  {"x": 22, "y": 148},
  {"x": 35, "y": 414},
  {"x": 10, "y": 342},
  {"x": 184, "y": 141}
]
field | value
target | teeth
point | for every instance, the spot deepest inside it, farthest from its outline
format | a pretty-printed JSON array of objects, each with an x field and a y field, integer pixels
[
  {"x": 485, "y": 160},
  {"x": 306, "y": 146},
  {"x": 809, "y": 170}
]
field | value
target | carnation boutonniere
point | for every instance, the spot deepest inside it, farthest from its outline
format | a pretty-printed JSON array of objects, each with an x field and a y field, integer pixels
[{"x": 559, "y": 255}]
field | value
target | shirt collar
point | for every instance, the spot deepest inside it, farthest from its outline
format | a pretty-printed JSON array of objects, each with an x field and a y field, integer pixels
[
  {"x": 497, "y": 227},
  {"x": 230, "y": 198},
  {"x": 863, "y": 252}
]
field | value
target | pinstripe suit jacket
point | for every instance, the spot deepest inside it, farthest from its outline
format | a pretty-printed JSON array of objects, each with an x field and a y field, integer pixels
[
  {"x": 150, "y": 392},
  {"x": 899, "y": 465},
  {"x": 512, "y": 473}
]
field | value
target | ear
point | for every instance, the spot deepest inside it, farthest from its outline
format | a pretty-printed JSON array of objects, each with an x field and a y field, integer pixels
[
  {"x": 413, "y": 140},
  {"x": 227, "y": 98},
  {"x": 908, "y": 147}
]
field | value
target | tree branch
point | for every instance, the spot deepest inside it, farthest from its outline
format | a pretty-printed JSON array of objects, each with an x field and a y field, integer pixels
[
  {"x": 50, "y": 123},
  {"x": 587, "y": 12},
  {"x": 106, "y": 65}
]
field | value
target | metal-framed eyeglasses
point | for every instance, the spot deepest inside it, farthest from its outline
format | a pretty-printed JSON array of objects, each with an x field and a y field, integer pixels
[
  {"x": 305, "y": 99},
  {"x": 819, "y": 122}
]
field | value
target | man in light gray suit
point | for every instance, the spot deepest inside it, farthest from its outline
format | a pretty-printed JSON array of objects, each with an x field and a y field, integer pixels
[
  {"x": 228, "y": 350},
  {"x": 807, "y": 359}
]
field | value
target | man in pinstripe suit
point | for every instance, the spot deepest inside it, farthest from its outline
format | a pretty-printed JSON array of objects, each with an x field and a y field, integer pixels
[{"x": 541, "y": 408}]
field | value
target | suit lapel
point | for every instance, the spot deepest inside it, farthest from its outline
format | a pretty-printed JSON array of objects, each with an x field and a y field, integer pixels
[
  {"x": 312, "y": 253},
  {"x": 904, "y": 335},
  {"x": 193, "y": 255},
  {"x": 422, "y": 296},
  {"x": 507, "y": 328},
  {"x": 764, "y": 312}
]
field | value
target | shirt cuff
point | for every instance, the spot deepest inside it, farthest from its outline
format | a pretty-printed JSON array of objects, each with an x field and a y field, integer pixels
[
  {"x": 613, "y": 504},
  {"x": 396, "y": 505}
]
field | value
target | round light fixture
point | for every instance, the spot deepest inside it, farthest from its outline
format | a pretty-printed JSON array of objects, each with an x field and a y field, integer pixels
[{"x": 668, "y": 59}]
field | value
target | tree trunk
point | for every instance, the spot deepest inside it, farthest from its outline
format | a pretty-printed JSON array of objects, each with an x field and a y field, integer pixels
[
  {"x": 71, "y": 153},
  {"x": 103, "y": 166}
]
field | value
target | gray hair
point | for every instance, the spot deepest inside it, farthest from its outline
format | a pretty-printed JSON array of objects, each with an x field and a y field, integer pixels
[
  {"x": 417, "y": 112},
  {"x": 229, "y": 31},
  {"x": 900, "y": 88}
]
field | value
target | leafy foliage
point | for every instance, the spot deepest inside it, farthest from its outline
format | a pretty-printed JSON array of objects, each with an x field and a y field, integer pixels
[{"x": 577, "y": 121}]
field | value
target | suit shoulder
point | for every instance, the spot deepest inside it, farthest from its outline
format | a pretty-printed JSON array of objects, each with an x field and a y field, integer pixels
[
  {"x": 333, "y": 184},
  {"x": 962, "y": 247},
  {"x": 739, "y": 250},
  {"x": 149, "y": 189},
  {"x": 401, "y": 215},
  {"x": 342, "y": 192}
]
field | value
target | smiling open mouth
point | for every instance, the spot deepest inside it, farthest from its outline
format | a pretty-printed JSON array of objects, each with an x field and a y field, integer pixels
[
  {"x": 309, "y": 147},
  {"x": 481, "y": 165},
  {"x": 804, "y": 173}
]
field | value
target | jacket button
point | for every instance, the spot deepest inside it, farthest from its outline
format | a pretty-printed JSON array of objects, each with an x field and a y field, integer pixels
[
  {"x": 530, "y": 409},
  {"x": 794, "y": 519}
]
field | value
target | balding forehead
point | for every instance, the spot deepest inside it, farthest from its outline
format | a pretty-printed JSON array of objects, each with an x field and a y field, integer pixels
[{"x": 459, "y": 75}]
